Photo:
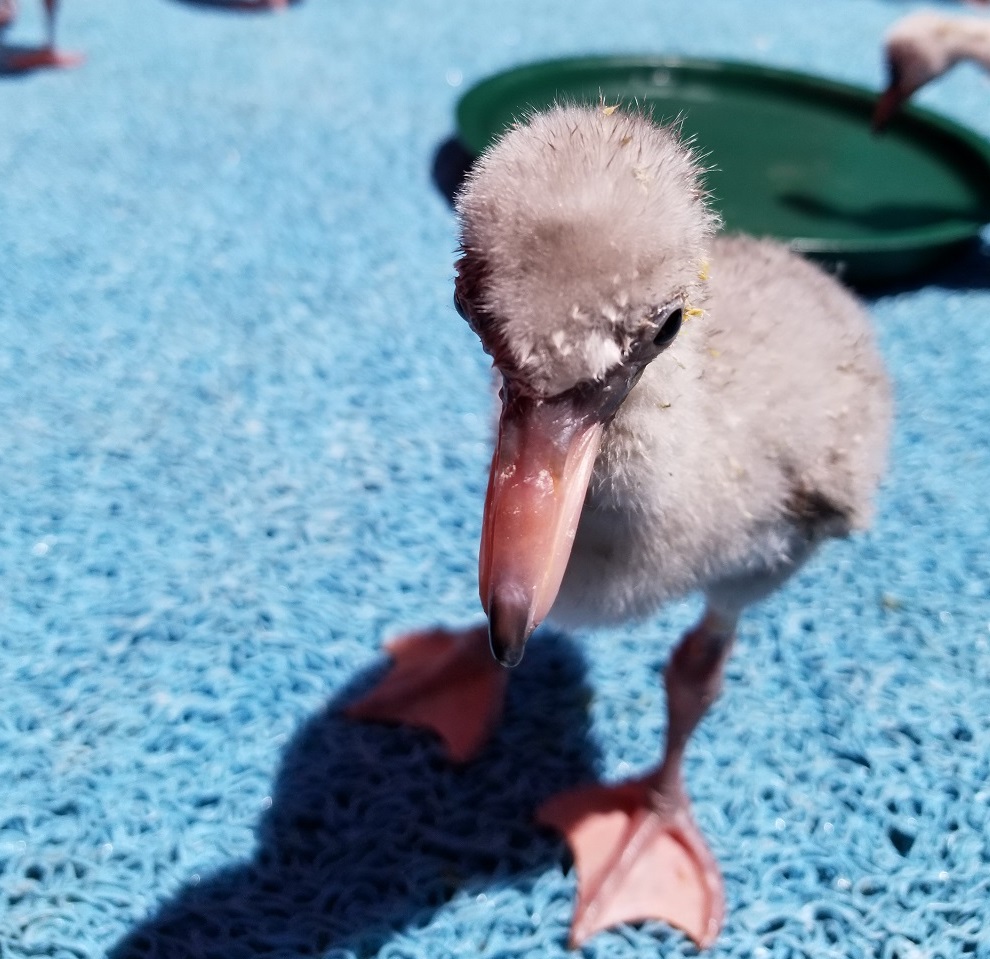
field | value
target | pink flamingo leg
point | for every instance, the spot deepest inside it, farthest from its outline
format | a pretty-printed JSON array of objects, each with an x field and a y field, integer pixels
[{"x": 637, "y": 851}]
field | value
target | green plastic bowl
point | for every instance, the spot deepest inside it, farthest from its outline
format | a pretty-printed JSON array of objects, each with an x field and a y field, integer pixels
[{"x": 793, "y": 155}]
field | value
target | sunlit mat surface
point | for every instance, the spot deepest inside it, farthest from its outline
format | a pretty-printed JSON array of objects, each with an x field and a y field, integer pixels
[{"x": 244, "y": 439}]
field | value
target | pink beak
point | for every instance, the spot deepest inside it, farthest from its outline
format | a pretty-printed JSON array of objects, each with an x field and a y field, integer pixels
[{"x": 540, "y": 472}]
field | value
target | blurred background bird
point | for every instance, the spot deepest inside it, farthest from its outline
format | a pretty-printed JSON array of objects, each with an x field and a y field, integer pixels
[
  {"x": 21, "y": 59},
  {"x": 923, "y": 46}
]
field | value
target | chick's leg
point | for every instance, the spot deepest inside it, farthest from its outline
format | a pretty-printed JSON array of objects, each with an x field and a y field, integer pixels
[
  {"x": 444, "y": 681},
  {"x": 637, "y": 851}
]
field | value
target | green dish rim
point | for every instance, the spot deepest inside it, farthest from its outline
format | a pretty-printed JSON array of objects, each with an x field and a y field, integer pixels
[{"x": 475, "y": 135}]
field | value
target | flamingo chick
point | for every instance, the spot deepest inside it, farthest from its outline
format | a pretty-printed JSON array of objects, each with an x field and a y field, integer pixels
[
  {"x": 661, "y": 433},
  {"x": 23, "y": 60},
  {"x": 921, "y": 47}
]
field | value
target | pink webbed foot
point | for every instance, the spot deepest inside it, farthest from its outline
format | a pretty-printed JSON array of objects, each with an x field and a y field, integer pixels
[
  {"x": 444, "y": 681},
  {"x": 23, "y": 60},
  {"x": 637, "y": 857}
]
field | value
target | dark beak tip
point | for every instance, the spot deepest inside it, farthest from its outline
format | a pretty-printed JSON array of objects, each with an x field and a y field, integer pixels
[
  {"x": 508, "y": 630},
  {"x": 509, "y": 657},
  {"x": 508, "y": 650}
]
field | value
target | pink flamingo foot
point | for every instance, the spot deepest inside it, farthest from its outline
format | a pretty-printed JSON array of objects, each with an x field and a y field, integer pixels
[
  {"x": 444, "y": 681},
  {"x": 42, "y": 58},
  {"x": 638, "y": 856}
]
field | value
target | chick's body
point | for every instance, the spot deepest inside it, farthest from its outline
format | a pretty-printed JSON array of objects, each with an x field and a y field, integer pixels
[{"x": 761, "y": 431}]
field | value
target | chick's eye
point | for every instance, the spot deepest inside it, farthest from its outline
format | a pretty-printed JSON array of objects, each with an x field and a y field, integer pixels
[
  {"x": 459, "y": 306},
  {"x": 670, "y": 328}
]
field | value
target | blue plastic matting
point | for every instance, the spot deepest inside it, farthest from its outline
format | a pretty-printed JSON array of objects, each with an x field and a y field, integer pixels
[{"x": 243, "y": 440}]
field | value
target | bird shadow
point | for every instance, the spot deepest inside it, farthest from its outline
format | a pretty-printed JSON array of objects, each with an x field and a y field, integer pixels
[
  {"x": 451, "y": 164},
  {"x": 240, "y": 6},
  {"x": 371, "y": 830}
]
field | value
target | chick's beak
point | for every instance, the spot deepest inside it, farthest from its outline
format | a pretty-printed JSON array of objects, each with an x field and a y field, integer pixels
[{"x": 540, "y": 472}]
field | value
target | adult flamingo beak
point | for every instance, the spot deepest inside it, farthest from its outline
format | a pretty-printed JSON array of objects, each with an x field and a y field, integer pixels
[{"x": 888, "y": 106}]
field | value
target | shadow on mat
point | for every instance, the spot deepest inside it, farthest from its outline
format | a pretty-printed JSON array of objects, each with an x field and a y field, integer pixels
[
  {"x": 451, "y": 164},
  {"x": 239, "y": 6},
  {"x": 371, "y": 830}
]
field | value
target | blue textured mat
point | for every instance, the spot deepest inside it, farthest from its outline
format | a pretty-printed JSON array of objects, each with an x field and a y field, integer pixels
[{"x": 244, "y": 440}]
